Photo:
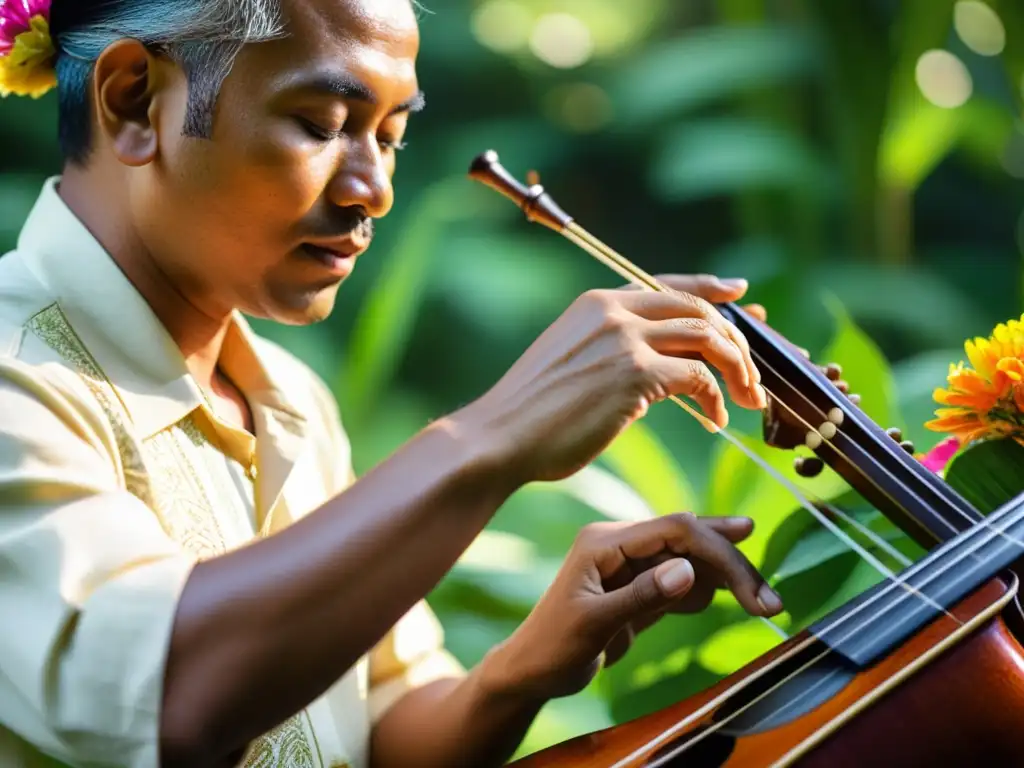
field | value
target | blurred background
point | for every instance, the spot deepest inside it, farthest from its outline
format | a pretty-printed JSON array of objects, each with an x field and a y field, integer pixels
[{"x": 859, "y": 161}]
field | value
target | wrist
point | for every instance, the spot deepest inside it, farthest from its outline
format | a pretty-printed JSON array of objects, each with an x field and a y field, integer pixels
[
  {"x": 489, "y": 452},
  {"x": 501, "y": 679}
]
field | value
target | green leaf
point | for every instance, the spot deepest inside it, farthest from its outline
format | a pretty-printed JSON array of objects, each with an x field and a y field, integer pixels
[
  {"x": 880, "y": 297},
  {"x": 819, "y": 545},
  {"x": 741, "y": 486},
  {"x": 988, "y": 474},
  {"x": 736, "y": 645},
  {"x": 864, "y": 367},
  {"x": 914, "y": 145},
  {"x": 640, "y": 458},
  {"x": 601, "y": 491},
  {"x": 707, "y": 66},
  {"x": 726, "y": 156}
]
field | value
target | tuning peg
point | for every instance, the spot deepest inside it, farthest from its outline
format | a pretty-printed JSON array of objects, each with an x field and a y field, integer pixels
[
  {"x": 532, "y": 178},
  {"x": 808, "y": 466},
  {"x": 842, "y": 386},
  {"x": 855, "y": 399},
  {"x": 833, "y": 371},
  {"x": 907, "y": 446},
  {"x": 895, "y": 433}
]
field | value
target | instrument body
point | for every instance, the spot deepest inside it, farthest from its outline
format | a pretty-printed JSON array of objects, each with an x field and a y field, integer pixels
[
  {"x": 949, "y": 696},
  {"x": 925, "y": 669}
]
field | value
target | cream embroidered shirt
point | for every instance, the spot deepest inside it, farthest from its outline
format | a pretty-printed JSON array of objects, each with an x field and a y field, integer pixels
[{"x": 115, "y": 479}]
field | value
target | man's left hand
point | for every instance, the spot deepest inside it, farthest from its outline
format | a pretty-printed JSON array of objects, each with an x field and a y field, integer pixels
[{"x": 618, "y": 579}]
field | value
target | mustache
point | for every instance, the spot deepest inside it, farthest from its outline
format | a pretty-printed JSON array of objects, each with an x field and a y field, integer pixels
[{"x": 342, "y": 222}]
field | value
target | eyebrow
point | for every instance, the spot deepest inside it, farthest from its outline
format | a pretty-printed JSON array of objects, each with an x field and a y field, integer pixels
[{"x": 348, "y": 87}]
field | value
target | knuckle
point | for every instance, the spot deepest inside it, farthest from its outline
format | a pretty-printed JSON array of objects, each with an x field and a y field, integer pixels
[
  {"x": 598, "y": 299},
  {"x": 700, "y": 379},
  {"x": 589, "y": 535},
  {"x": 642, "y": 598},
  {"x": 683, "y": 520}
]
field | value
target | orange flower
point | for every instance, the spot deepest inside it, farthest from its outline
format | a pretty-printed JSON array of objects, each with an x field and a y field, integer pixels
[{"x": 987, "y": 399}]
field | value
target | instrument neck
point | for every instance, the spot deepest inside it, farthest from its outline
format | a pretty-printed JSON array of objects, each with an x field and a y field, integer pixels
[
  {"x": 877, "y": 621},
  {"x": 896, "y": 483}
]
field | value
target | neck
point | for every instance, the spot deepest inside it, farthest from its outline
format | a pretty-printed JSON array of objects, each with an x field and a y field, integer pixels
[{"x": 198, "y": 334}]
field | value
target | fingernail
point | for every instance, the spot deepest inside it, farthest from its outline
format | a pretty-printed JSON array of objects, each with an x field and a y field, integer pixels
[
  {"x": 734, "y": 282},
  {"x": 770, "y": 602},
  {"x": 676, "y": 578},
  {"x": 760, "y": 397}
]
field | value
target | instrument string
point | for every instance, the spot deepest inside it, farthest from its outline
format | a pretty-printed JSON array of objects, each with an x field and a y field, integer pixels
[
  {"x": 582, "y": 239},
  {"x": 1012, "y": 519},
  {"x": 634, "y": 274},
  {"x": 995, "y": 533}
]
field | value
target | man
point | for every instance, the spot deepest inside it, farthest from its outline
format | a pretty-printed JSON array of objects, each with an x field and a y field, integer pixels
[{"x": 189, "y": 574}]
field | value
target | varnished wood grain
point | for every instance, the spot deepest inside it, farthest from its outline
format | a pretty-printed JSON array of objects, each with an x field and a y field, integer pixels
[{"x": 964, "y": 707}]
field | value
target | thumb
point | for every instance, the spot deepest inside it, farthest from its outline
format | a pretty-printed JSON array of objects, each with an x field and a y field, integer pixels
[{"x": 652, "y": 590}]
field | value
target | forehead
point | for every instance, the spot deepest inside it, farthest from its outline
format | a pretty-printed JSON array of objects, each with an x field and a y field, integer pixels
[{"x": 379, "y": 39}]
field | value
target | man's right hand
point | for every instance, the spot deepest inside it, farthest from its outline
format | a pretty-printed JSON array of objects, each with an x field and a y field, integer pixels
[{"x": 605, "y": 361}]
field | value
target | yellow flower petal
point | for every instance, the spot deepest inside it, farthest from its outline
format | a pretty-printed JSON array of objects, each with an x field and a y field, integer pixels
[{"x": 28, "y": 69}]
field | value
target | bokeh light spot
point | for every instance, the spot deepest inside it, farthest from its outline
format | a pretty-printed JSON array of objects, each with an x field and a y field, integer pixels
[
  {"x": 943, "y": 79},
  {"x": 561, "y": 40},
  {"x": 502, "y": 25},
  {"x": 579, "y": 107},
  {"x": 980, "y": 27}
]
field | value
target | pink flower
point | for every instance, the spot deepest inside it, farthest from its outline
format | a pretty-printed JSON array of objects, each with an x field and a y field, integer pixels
[
  {"x": 16, "y": 17},
  {"x": 938, "y": 457}
]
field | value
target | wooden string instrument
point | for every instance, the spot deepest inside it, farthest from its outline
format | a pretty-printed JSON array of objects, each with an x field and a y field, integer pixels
[{"x": 926, "y": 668}]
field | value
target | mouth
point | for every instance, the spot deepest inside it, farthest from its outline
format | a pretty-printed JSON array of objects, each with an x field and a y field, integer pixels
[{"x": 339, "y": 256}]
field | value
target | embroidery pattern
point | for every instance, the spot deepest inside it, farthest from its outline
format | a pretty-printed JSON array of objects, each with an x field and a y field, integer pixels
[
  {"x": 179, "y": 500},
  {"x": 54, "y": 330}
]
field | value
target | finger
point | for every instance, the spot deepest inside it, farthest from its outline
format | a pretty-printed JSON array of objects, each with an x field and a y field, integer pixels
[
  {"x": 690, "y": 536},
  {"x": 681, "y": 336},
  {"x": 733, "y": 528},
  {"x": 652, "y": 305},
  {"x": 694, "y": 380},
  {"x": 756, "y": 311},
  {"x": 709, "y": 287},
  {"x": 686, "y": 535},
  {"x": 665, "y": 306},
  {"x": 652, "y": 590}
]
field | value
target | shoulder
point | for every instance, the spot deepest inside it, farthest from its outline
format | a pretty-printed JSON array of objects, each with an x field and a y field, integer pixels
[{"x": 28, "y": 363}]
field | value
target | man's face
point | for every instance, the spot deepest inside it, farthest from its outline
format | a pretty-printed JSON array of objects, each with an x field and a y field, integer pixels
[{"x": 269, "y": 216}]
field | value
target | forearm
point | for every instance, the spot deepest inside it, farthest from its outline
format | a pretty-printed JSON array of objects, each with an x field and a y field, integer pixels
[
  {"x": 263, "y": 631},
  {"x": 472, "y": 721}
]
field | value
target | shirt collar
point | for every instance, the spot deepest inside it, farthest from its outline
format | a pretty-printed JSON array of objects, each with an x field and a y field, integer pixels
[{"x": 116, "y": 324}]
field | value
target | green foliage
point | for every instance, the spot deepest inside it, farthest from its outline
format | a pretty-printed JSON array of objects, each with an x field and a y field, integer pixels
[
  {"x": 784, "y": 142},
  {"x": 989, "y": 473}
]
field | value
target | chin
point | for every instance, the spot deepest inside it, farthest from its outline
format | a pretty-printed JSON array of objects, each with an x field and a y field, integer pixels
[{"x": 306, "y": 309}]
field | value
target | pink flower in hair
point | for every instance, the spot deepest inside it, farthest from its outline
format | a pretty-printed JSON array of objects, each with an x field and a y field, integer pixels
[
  {"x": 16, "y": 18},
  {"x": 26, "y": 48}
]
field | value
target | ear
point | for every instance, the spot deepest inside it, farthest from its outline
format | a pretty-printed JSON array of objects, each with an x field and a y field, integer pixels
[{"x": 125, "y": 79}]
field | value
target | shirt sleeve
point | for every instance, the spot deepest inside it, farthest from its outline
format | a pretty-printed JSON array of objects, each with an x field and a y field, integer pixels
[
  {"x": 89, "y": 583},
  {"x": 410, "y": 656}
]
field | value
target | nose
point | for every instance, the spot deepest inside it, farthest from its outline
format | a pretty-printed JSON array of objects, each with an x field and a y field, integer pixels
[{"x": 363, "y": 179}]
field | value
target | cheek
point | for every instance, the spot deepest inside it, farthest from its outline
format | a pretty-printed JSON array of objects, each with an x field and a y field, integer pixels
[{"x": 245, "y": 187}]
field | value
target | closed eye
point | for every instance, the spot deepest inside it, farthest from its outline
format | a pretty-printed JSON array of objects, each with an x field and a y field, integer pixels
[{"x": 318, "y": 132}]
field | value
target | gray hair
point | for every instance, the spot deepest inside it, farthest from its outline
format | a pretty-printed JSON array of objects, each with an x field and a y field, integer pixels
[{"x": 203, "y": 36}]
